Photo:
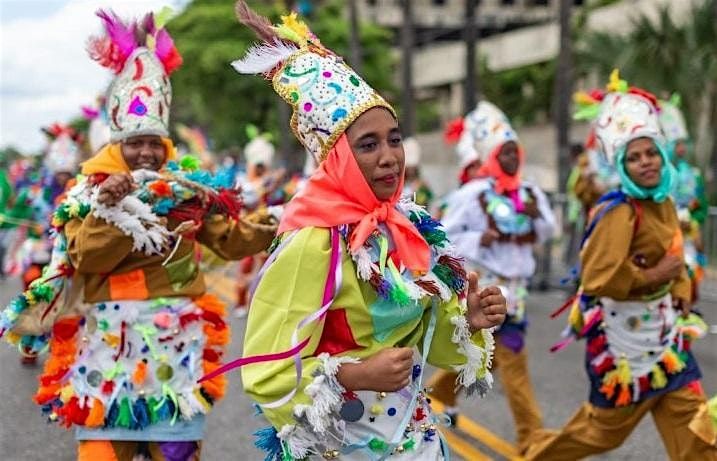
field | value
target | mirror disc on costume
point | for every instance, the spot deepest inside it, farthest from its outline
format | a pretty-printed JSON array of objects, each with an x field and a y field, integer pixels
[
  {"x": 94, "y": 378},
  {"x": 164, "y": 372},
  {"x": 352, "y": 410}
]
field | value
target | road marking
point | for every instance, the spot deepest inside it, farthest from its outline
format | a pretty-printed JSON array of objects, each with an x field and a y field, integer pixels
[
  {"x": 463, "y": 448},
  {"x": 475, "y": 430}
]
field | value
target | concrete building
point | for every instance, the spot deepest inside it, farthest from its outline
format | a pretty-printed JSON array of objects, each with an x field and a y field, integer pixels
[{"x": 513, "y": 33}]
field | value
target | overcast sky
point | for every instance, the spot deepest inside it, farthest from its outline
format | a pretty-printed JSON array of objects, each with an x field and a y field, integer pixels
[{"x": 45, "y": 73}]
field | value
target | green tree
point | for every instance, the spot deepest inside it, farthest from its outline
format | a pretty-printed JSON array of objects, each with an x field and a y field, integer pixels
[
  {"x": 664, "y": 57},
  {"x": 208, "y": 92}
]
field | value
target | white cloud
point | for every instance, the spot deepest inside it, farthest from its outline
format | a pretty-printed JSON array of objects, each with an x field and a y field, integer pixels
[{"x": 45, "y": 73}]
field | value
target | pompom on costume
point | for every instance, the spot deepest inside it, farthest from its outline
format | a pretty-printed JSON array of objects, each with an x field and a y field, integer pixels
[
  {"x": 638, "y": 353},
  {"x": 122, "y": 302},
  {"x": 349, "y": 276}
]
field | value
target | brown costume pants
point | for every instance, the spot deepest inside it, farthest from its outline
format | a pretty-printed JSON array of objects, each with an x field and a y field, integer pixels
[
  {"x": 512, "y": 370},
  {"x": 680, "y": 416}
]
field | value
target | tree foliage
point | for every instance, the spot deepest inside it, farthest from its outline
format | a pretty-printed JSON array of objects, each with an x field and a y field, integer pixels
[
  {"x": 209, "y": 93},
  {"x": 663, "y": 57}
]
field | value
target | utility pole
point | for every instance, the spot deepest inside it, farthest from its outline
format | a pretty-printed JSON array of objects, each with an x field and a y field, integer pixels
[
  {"x": 563, "y": 92},
  {"x": 355, "y": 38},
  {"x": 407, "y": 103},
  {"x": 470, "y": 37}
]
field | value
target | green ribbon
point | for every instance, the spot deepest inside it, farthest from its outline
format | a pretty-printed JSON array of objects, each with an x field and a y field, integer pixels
[
  {"x": 147, "y": 331},
  {"x": 383, "y": 255}
]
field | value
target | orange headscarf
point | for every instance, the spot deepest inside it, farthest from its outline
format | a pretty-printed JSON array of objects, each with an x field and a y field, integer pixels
[
  {"x": 109, "y": 159},
  {"x": 492, "y": 168},
  {"x": 337, "y": 193}
]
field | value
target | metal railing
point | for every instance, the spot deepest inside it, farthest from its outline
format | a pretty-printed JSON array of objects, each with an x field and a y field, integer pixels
[{"x": 558, "y": 255}]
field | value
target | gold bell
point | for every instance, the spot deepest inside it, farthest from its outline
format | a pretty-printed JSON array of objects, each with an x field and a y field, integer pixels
[
  {"x": 381, "y": 395},
  {"x": 400, "y": 449},
  {"x": 424, "y": 427}
]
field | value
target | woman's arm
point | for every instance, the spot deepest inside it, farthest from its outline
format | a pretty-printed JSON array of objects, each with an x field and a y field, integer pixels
[
  {"x": 232, "y": 240},
  {"x": 95, "y": 246}
]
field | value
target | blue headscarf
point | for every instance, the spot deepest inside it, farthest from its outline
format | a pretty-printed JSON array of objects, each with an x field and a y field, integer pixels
[{"x": 659, "y": 193}]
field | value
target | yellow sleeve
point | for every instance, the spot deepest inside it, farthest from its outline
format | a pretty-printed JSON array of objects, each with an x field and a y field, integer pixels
[
  {"x": 607, "y": 267},
  {"x": 95, "y": 246},
  {"x": 291, "y": 289},
  {"x": 234, "y": 240}
]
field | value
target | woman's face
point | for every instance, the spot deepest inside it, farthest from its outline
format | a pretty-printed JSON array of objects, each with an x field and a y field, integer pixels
[
  {"x": 144, "y": 152},
  {"x": 376, "y": 142},
  {"x": 643, "y": 162},
  {"x": 508, "y": 158}
]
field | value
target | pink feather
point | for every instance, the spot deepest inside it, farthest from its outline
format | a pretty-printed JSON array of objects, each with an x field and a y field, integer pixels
[
  {"x": 122, "y": 37},
  {"x": 167, "y": 52}
]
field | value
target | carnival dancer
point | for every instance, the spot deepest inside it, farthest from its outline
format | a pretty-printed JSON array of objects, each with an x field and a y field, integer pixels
[
  {"x": 357, "y": 281},
  {"x": 688, "y": 190},
  {"x": 122, "y": 302},
  {"x": 633, "y": 308},
  {"x": 494, "y": 222},
  {"x": 415, "y": 186}
]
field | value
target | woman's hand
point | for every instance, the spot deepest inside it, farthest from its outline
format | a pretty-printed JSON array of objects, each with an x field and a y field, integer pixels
[
  {"x": 488, "y": 237},
  {"x": 531, "y": 209},
  {"x": 115, "y": 188},
  {"x": 486, "y": 308},
  {"x": 684, "y": 306},
  {"x": 668, "y": 268},
  {"x": 388, "y": 370}
]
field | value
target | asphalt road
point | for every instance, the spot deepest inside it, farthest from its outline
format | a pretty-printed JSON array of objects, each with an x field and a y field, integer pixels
[{"x": 559, "y": 381}]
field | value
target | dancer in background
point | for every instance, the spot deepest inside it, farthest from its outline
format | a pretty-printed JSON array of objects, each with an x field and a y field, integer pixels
[
  {"x": 633, "y": 307},
  {"x": 494, "y": 222},
  {"x": 123, "y": 302}
]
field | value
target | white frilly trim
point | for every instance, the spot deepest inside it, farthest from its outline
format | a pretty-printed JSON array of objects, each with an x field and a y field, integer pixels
[
  {"x": 297, "y": 441},
  {"x": 261, "y": 58},
  {"x": 326, "y": 393},
  {"x": 477, "y": 358},
  {"x": 135, "y": 219}
]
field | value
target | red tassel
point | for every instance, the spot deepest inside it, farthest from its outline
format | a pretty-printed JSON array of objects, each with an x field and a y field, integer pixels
[
  {"x": 562, "y": 308},
  {"x": 604, "y": 366},
  {"x": 214, "y": 318},
  {"x": 108, "y": 387},
  {"x": 210, "y": 355},
  {"x": 596, "y": 345},
  {"x": 644, "y": 382},
  {"x": 186, "y": 319}
]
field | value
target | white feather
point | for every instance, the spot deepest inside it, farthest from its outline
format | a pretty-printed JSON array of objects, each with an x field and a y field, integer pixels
[{"x": 261, "y": 58}]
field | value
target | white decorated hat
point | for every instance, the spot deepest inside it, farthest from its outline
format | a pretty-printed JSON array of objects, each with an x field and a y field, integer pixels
[
  {"x": 142, "y": 55},
  {"x": 259, "y": 151},
  {"x": 485, "y": 128},
  {"x": 326, "y": 95},
  {"x": 625, "y": 117},
  {"x": 63, "y": 152},
  {"x": 672, "y": 121}
]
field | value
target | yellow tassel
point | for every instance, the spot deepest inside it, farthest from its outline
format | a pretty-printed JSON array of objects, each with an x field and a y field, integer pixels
[
  {"x": 575, "y": 319},
  {"x": 659, "y": 380},
  {"x": 623, "y": 371},
  {"x": 66, "y": 393},
  {"x": 96, "y": 416},
  {"x": 200, "y": 398}
]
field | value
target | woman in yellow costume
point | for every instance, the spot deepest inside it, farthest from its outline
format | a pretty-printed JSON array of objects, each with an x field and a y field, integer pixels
[{"x": 358, "y": 282}]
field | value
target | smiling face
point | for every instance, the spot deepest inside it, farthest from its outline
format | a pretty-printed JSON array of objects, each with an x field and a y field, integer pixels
[
  {"x": 375, "y": 140},
  {"x": 144, "y": 152},
  {"x": 643, "y": 162}
]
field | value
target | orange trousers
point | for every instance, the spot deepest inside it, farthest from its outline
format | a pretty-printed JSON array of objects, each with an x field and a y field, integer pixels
[
  {"x": 681, "y": 418},
  {"x": 112, "y": 450},
  {"x": 512, "y": 370}
]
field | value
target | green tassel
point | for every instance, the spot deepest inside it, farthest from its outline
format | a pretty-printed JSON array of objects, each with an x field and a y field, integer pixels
[
  {"x": 189, "y": 163},
  {"x": 124, "y": 418},
  {"x": 377, "y": 445},
  {"x": 444, "y": 274},
  {"x": 409, "y": 444},
  {"x": 152, "y": 404}
]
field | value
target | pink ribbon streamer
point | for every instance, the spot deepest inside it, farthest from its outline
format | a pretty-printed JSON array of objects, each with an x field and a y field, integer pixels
[{"x": 331, "y": 289}]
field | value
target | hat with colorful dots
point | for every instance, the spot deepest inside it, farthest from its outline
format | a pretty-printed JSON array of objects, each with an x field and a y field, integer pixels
[
  {"x": 325, "y": 93},
  {"x": 142, "y": 55}
]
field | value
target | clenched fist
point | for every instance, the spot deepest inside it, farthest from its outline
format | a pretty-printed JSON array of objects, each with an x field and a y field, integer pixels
[
  {"x": 115, "y": 188},
  {"x": 388, "y": 370}
]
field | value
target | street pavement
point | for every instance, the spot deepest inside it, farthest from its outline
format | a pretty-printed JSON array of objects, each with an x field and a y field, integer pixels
[{"x": 559, "y": 382}]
